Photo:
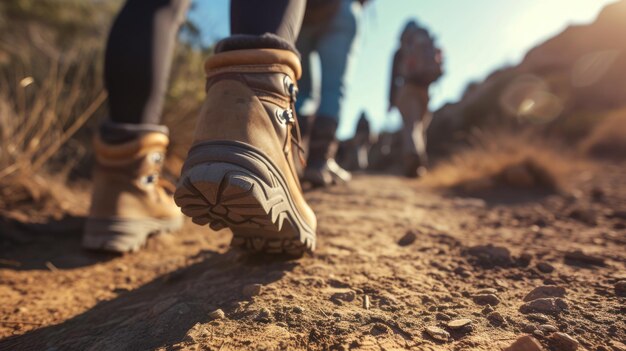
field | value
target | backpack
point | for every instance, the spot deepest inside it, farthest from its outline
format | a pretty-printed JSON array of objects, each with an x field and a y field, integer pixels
[{"x": 421, "y": 60}]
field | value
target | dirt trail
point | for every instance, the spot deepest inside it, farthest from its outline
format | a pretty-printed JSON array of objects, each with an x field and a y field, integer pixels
[{"x": 414, "y": 254}]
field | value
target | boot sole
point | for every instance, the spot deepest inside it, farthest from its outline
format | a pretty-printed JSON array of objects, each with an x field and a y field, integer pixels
[
  {"x": 231, "y": 184},
  {"x": 121, "y": 235}
]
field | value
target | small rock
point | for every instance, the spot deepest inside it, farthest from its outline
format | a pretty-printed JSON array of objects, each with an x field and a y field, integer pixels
[
  {"x": 488, "y": 309},
  {"x": 366, "y": 302},
  {"x": 528, "y": 328},
  {"x": 620, "y": 288},
  {"x": 496, "y": 319},
  {"x": 544, "y": 305},
  {"x": 265, "y": 315},
  {"x": 524, "y": 259},
  {"x": 459, "y": 323},
  {"x": 547, "y": 328},
  {"x": 442, "y": 317},
  {"x": 462, "y": 271},
  {"x": 486, "y": 299},
  {"x": 347, "y": 296},
  {"x": 545, "y": 291},
  {"x": 490, "y": 256},
  {"x": 580, "y": 257},
  {"x": 538, "y": 317},
  {"x": 545, "y": 267},
  {"x": 251, "y": 290},
  {"x": 538, "y": 333},
  {"x": 437, "y": 333},
  {"x": 380, "y": 329},
  {"x": 525, "y": 343},
  {"x": 487, "y": 291},
  {"x": 298, "y": 309},
  {"x": 408, "y": 238},
  {"x": 564, "y": 342},
  {"x": 217, "y": 314},
  {"x": 586, "y": 216}
]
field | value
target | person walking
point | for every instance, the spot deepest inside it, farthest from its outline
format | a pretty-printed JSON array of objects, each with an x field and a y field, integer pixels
[
  {"x": 240, "y": 172},
  {"x": 329, "y": 29},
  {"x": 417, "y": 63}
]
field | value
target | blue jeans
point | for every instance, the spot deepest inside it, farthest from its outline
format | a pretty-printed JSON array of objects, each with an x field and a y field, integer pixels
[{"x": 333, "y": 41}]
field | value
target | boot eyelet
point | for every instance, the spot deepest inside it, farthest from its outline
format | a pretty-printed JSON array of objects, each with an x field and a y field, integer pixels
[
  {"x": 290, "y": 88},
  {"x": 284, "y": 116},
  {"x": 156, "y": 157}
]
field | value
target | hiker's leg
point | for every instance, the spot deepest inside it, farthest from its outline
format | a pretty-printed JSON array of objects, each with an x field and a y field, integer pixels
[
  {"x": 129, "y": 202},
  {"x": 138, "y": 59},
  {"x": 280, "y": 17},
  {"x": 334, "y": 47}
]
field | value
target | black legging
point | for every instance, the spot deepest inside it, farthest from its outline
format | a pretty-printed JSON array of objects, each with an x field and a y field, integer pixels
[{"x": 141, "y": 45}]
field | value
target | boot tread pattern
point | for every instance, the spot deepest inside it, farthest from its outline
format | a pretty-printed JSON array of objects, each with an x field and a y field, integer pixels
[{"x": 226, "y": 195}]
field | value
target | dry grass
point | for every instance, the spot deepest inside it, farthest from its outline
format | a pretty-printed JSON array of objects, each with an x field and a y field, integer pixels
[
  {"x": 608, "y": 138},
  {"x": 500, "y": 160}
]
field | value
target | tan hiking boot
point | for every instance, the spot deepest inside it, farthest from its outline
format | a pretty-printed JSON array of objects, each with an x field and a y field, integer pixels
[
  {"x": 241, "y": 172},
  {"x": 129, "y": 202}
]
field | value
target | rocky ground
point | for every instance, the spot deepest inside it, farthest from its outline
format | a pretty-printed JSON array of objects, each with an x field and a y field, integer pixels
[{"x": 399, "y": 267}]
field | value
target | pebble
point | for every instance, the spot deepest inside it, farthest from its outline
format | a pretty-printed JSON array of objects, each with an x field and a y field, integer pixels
[
  {"x": 564, "y": 342},
  {"x": 538, "y": 333},
  {"x": 462, "y": 271},
  {"x": 347, "y": 296},
  {"x": 488, "y": 309},
  {"x": 545, "y": 291},
  {"x": 545, "y": 267},
  {"x": 459, "y": 323},
  {"x": 620, "y": 288},
  {"x": 487, "y": 291},
  {"x": 442, "y": 317},
  {"x": 550, "y": 306},
  {"x": 547, "y": 328},
  {"x": 217, "y": 314},
  {"x": 251, "y": 290},
  {"x": 298, "y": 309},
  {"x": 579, "y": 256},
  {"x": 496, "y": 319},
  {"x": 408, "y": 238},
  {"x": 486, "y": 299},
  {"x": 366, "y": 302},
  {"x": 525, "y": 343},
  {"x": 264, "y": 315},
  {"x": 490, "y": 256},
  {"x": 379, "y": 329},
  {"x": 437, "y": 333}
]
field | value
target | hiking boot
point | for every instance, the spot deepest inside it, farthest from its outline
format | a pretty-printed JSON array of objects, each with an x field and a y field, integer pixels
[
  {"x": 413, "y": 166},
  {"x": 129, "y": 202},
  {"x": 240, "y": 172},
  {"x": 321, "y": 168}
]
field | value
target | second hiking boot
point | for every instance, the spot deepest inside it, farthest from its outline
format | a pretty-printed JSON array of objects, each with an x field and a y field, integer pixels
[
  {"x": 321, "y": 168},
  {"x": 240, "y": 172},
  {"x": 129, "y": 203}
]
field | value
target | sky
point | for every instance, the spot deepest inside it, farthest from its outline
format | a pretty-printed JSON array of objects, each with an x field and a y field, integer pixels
[{"x": 477, "y": 37}]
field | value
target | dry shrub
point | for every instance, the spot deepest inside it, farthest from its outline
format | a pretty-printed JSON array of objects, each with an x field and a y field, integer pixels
[
  {"x": 608, "y": 138},
  {"x": 500, "y": 160}
]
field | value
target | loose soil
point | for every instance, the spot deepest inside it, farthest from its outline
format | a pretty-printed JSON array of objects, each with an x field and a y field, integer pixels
[{"x": 395, "y": 260}]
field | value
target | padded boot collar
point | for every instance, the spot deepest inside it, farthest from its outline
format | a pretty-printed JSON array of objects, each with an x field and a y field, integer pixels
[
  {"x": 253, "y": 58},
  {"x": 115, "y": 154}
]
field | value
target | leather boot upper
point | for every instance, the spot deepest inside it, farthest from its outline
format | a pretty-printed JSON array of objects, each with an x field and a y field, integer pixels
[
  {"x": 250, "y": 96},
  {"x": 126, "y": 180}
]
